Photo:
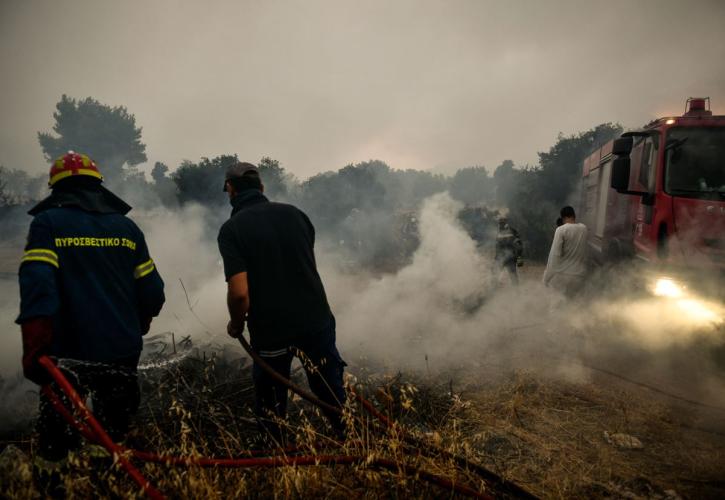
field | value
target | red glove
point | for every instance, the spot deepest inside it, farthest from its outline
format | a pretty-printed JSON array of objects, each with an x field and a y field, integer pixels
[{"x": 37, "y": 338}]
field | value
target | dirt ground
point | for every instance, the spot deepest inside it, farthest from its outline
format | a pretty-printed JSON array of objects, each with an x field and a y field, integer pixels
[
  {"x": 562, "y": 439},
  {"x": 604, "y": 437},
  {"x": 551, "y": 437}
]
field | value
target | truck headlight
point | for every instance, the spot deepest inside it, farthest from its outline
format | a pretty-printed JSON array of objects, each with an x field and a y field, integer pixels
[
  {"x": 695, "y": 309},
  {"x": 700, "y": 311},
  {"x": 667, "y": 287}
]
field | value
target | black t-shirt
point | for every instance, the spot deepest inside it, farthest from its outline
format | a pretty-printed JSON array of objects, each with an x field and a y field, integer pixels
[{"x": 274, "y": 244}]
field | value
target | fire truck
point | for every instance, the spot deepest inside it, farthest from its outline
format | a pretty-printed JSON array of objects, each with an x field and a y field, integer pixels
[{"x": 657, "y": 194}]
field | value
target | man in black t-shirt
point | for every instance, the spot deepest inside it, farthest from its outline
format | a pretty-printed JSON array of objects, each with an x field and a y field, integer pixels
[{"x": 273, "y": 285}]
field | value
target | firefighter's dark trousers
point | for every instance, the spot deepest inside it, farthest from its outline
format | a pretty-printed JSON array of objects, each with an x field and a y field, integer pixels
[
  {"x": 115, "y": 397},
  {"x": 324, "y": 368},
  {"x": 510, "y": 267}
]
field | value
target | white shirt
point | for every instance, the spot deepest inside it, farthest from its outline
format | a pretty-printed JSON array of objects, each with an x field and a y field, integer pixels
[{"x": 568, "y": 254}]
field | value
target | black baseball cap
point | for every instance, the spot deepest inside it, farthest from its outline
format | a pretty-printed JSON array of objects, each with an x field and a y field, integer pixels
[{"x": 240, "y": 169}]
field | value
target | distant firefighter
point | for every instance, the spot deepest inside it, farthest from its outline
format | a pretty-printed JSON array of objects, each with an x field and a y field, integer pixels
[
  {"x": 274, "y": 286},
  {"x": 509, "y": 249},
  {"x": 88, "y": 291},
  {"x": 567, "y": 264}
]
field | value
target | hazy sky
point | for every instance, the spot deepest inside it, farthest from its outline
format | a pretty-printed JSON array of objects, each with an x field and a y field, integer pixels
[{"x": 319, "y": 84}]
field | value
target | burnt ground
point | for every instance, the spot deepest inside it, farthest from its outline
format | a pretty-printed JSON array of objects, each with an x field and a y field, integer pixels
[
  {"x": 549, "y": 435},
  {"x": 596, "y": 436}
]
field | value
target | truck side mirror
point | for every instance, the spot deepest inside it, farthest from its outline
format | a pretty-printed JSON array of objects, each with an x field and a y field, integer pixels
[
  {"x": 620, "y": 174},
  {"x": 622, "y": 146}
]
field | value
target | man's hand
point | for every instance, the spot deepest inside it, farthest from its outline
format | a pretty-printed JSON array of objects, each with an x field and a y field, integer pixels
[
  {"x": 238, "y": 303},
  {"x": 37, "y": 339},
  {"x": 235, "y": 329}
]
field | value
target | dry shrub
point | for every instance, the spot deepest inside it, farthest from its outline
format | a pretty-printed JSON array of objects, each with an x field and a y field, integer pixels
[{"x": 546, "y": 435}]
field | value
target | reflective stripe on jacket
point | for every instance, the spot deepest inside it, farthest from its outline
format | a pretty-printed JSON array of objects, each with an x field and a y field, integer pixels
[{"x": 92, "y": 273}]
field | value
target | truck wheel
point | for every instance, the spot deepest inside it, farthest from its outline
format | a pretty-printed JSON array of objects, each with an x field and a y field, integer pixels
[{"x": 662, "y": 243}]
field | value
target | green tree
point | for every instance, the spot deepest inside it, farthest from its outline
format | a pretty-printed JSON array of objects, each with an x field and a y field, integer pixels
[
  {"x": 203, "y": 182},
  {"x": 534, "y": 195},
  {"x": 5, "y": 198},
  {"x": 406, "y": 189},
  {"x": 107, "y": 134},
  {"x": 504, "y": 179},
  {"x": 164, "y": 185},
  {"x": 532, "y": 211},
  {"x": 331, "y": 196},
  {"x": 471, "y": 185},
  {"x": 274, "y": 178},
  {"x": 561, "y": 166},
  {"x": 17, "y": 187}
]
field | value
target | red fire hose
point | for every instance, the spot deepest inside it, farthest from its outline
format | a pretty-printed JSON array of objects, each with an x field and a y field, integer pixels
[
  {"x": 92, "y": 430},
  {"x": 279, "y": 461},
  {"x": 87, "y": 433},
  {"x": 419, "y": 445},
  {"x": 116, "y": 451}
]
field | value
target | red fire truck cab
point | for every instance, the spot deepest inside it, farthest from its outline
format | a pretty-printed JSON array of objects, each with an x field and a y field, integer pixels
[{"x": 658, "y": 194}]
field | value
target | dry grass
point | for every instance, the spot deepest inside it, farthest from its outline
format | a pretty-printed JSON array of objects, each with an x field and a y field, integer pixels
[{"x": 546, "y": 435}]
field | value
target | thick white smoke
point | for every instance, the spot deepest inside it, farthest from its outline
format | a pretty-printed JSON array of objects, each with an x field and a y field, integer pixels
[
  {"x": 445, "y": 310},
  {"x": 442, "y": 311},
  {"x": 9, "y": 331},
  {"x": 423, "y": 303},
  {"x": 183, "y": 245}
]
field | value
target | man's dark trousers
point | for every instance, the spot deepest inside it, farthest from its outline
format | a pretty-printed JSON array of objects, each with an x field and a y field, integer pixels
[
  {"x": 115, "y": 394},
  {"x": 323, "y": 366}
]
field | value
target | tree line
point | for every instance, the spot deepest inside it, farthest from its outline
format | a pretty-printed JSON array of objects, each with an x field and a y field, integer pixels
[{"x": 363, "y": 207}]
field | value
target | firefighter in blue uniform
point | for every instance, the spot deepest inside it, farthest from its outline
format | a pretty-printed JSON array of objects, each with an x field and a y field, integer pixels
[
  {"x": 88, "y": 291},
  {"x": 274, "y": 287}
]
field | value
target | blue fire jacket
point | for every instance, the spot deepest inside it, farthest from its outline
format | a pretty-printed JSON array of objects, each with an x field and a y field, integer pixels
[{"x": 91, "y": 272}]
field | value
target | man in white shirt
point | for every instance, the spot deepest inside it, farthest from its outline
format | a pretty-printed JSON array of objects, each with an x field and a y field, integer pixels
[{"x": 567, "y": 265}]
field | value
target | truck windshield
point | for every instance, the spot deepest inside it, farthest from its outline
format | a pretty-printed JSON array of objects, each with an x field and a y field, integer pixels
[{"x": 695, "y": 162}]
